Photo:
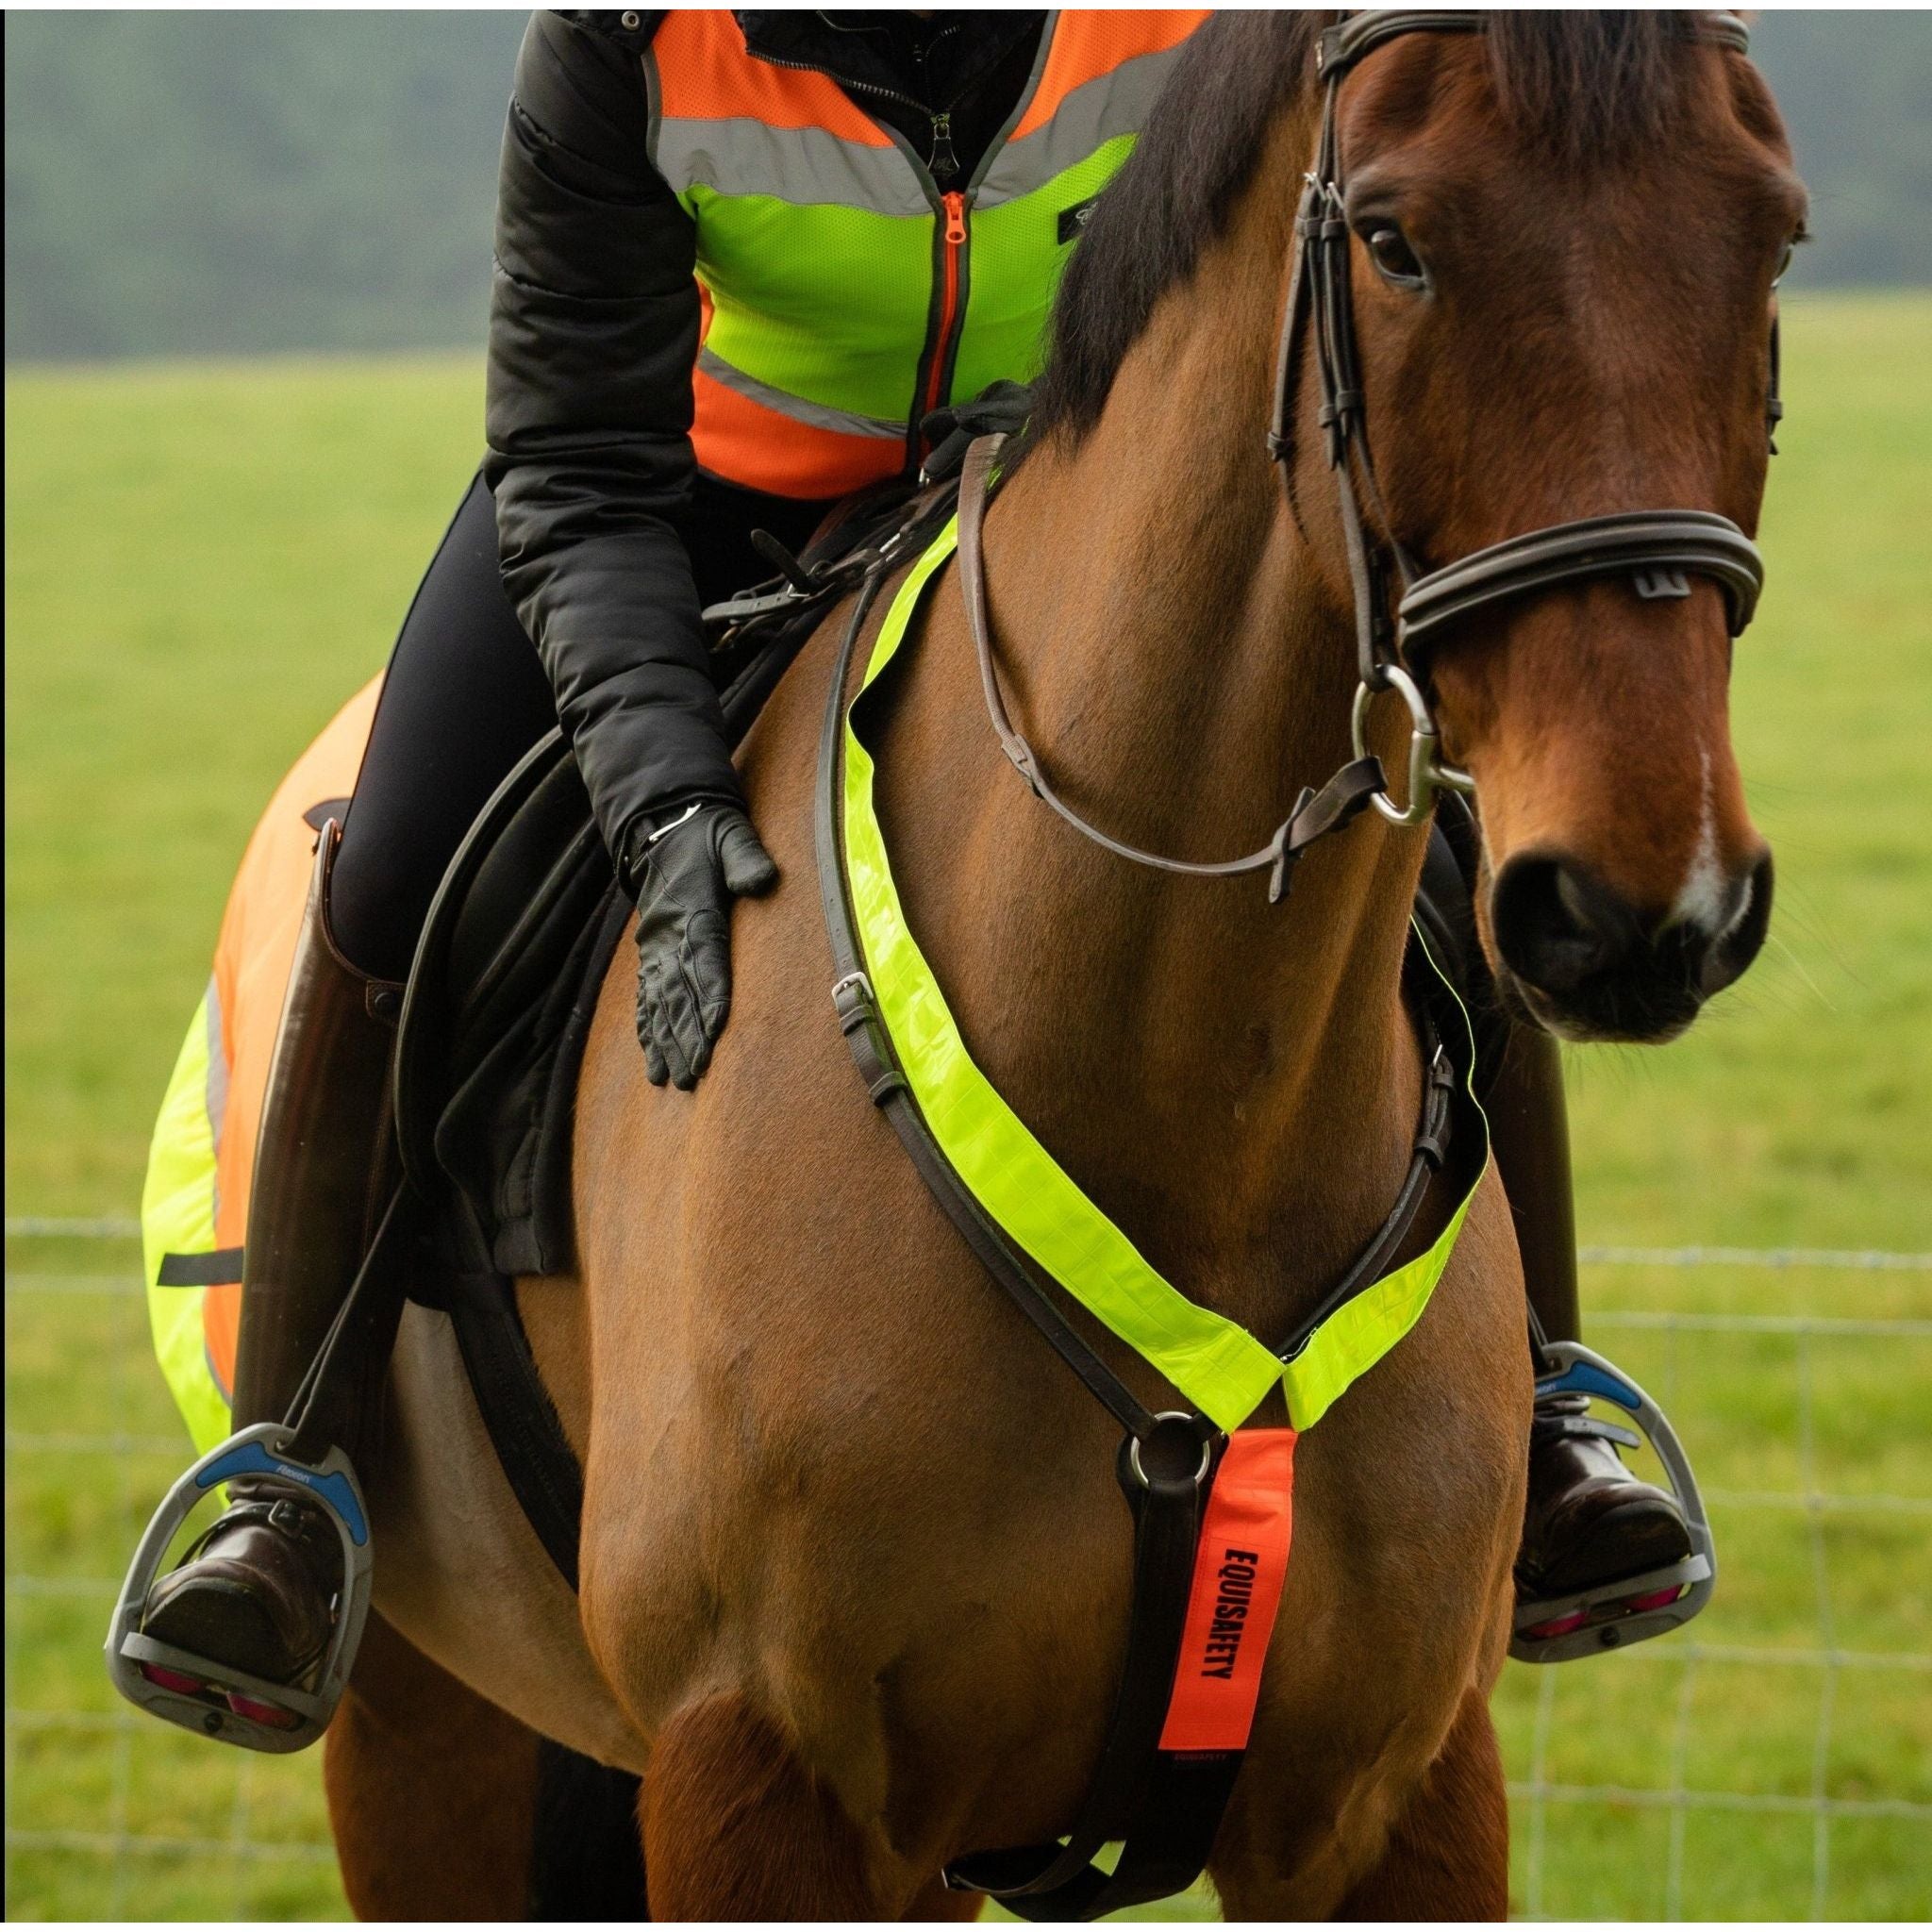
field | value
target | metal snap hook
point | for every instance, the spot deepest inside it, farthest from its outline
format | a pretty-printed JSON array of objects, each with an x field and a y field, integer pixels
[{"x": 1427, "y": 775}]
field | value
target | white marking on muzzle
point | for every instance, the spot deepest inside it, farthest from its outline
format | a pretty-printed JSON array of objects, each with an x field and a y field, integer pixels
[{"x": 1701, "y": 900}]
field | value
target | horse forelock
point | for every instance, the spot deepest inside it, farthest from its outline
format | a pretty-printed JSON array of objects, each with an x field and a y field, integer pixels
[
  {"x": 1580, "y": 87},
  {"x": 1587, "y": 84}
]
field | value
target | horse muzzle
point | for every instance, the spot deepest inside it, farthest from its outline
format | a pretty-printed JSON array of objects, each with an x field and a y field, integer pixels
[{"x": 1576, "y": 958}]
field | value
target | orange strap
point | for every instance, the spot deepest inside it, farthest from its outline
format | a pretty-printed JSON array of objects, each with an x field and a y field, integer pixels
[{"x": 1240, "y": 1568}]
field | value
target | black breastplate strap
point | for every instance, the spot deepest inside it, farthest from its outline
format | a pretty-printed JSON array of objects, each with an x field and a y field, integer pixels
[{"x": 1165, "y": 1804}]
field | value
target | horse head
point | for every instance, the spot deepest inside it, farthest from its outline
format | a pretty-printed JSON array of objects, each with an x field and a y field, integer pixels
[{"x": 1563, "y": 308}]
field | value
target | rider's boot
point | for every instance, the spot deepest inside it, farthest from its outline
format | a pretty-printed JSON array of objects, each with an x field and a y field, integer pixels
[
  {"x": 1589, "y": 1522},
  {"x": 259, "y": 1591}
]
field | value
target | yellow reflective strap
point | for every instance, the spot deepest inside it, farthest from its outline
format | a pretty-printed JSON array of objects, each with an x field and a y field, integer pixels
[
  {"x": 178, "y": 1216},
  {"x": 1360, "y": 1333},
  {"x": 1214, "y": 1361}
]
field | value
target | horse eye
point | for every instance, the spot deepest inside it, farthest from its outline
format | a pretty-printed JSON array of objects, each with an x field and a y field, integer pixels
[
  {"x": 1394, "y": 259},
  {"x": 1783, "y": 261}
]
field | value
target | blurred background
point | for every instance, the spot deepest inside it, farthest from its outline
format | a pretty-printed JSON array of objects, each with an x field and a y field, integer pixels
[{"x": 246, "y": 269}]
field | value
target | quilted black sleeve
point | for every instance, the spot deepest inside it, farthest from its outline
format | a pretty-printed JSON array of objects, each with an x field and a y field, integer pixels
[{"x": 593, "y": 330}]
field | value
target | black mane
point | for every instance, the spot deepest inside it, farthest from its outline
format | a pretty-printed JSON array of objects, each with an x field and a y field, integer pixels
[{"x": 1575, "y": 85}]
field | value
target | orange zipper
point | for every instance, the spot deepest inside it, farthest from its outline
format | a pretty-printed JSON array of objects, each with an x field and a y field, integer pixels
[{"x": 955, "y": 206}]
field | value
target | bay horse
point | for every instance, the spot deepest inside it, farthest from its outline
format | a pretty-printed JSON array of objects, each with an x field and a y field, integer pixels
[{"x": 854, "y": 1572}]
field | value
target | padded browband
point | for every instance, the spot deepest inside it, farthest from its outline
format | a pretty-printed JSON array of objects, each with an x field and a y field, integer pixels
[
  {"x": 1651, "y": 545},
  {"x": 1341, "y": 47}
]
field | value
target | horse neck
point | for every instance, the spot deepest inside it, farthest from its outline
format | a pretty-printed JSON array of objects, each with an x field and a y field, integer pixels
[{"x": 1173, "y": 650}]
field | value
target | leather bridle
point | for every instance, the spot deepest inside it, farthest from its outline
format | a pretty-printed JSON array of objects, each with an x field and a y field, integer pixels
[{"x": 1658, "y": 550}]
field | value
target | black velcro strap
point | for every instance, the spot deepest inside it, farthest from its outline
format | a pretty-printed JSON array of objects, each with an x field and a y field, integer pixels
[{"x": 213, "y": 1267}]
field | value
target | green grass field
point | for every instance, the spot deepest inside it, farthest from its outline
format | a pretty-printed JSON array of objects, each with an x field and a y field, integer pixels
[{"x": 201, "y": 562}]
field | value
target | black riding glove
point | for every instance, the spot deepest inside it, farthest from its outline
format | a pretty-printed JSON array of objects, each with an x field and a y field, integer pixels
[{"x": 687, "y": 875}]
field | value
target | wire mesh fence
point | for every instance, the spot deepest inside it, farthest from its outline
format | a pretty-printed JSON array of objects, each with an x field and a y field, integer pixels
[
  {"x": 1815, "y": 1503},
  {"x": 1773, "y": 1760}
]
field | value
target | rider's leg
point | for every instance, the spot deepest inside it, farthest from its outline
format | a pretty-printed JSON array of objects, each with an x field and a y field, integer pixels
[
  {"x": 255, "y": 1594},
  {"x": 465, "y": 696},
  {"x": 1587, "y": 1521}
]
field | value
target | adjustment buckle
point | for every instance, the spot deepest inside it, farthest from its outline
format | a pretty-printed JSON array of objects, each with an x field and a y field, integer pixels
[
  {"x": 202, "y": 1694},
  {"x": 864, "y": 1028}
]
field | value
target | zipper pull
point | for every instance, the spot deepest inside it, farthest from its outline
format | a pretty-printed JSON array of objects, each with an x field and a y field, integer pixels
[
  {"x": 955, "y": 219},
  {"x": 943, "y": 163}
]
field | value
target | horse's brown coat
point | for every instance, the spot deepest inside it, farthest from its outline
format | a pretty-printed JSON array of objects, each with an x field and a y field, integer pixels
[
  {"x": 419, "y": 1833},
  {"x": 854, "y": 1563}
]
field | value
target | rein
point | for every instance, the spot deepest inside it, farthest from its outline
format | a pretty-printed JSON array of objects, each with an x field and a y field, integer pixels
[{"x": 1314, "y": 813}]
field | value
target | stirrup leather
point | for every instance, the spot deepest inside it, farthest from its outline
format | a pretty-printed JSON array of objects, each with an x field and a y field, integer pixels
[
  {"x": 1612, "y": 1616},
  {"x": 209, "y": 1697}
]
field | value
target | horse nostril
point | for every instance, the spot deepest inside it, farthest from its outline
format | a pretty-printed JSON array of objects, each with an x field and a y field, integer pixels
[
  {"x": 1556, "y": 925},
  {"x": 1735, "y": 947}
]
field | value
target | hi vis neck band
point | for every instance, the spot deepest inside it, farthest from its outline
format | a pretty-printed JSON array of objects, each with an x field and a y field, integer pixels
[{"x": 1220, "y": 1367}]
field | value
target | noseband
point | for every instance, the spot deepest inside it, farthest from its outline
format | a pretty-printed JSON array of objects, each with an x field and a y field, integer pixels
[{"x": 1658, "y": 550}]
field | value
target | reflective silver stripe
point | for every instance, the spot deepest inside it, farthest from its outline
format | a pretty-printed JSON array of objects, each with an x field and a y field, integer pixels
[
  {"x": 1095, "y": 112},
  {"x": 813, "y": 415},
  {"x": 802, "y": 165},
  {"x": 217, "y": 1092}
]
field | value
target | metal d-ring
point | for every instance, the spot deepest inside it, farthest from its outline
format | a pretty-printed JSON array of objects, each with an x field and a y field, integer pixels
[
  {"x": 1427, "y": 775},
  {"x": 1171, "y": 1415}
]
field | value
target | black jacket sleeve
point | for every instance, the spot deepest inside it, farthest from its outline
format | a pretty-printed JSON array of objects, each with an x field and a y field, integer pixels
[{"x": 593, "y": 330}]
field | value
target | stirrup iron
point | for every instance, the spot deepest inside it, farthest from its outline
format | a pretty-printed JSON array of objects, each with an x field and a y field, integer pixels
[
  {"x": 1611, "y": 1616},
  {"x": 211, "y": 1698}
]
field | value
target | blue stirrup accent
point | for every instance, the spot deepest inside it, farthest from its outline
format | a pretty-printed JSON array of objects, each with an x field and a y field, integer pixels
[
  {"x": 251, "y": 1459},
  {"x": 1588, "y": 1378}
]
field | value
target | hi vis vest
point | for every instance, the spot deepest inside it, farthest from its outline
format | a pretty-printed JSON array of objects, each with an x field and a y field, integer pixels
[{"x": 844, "y": 294}]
